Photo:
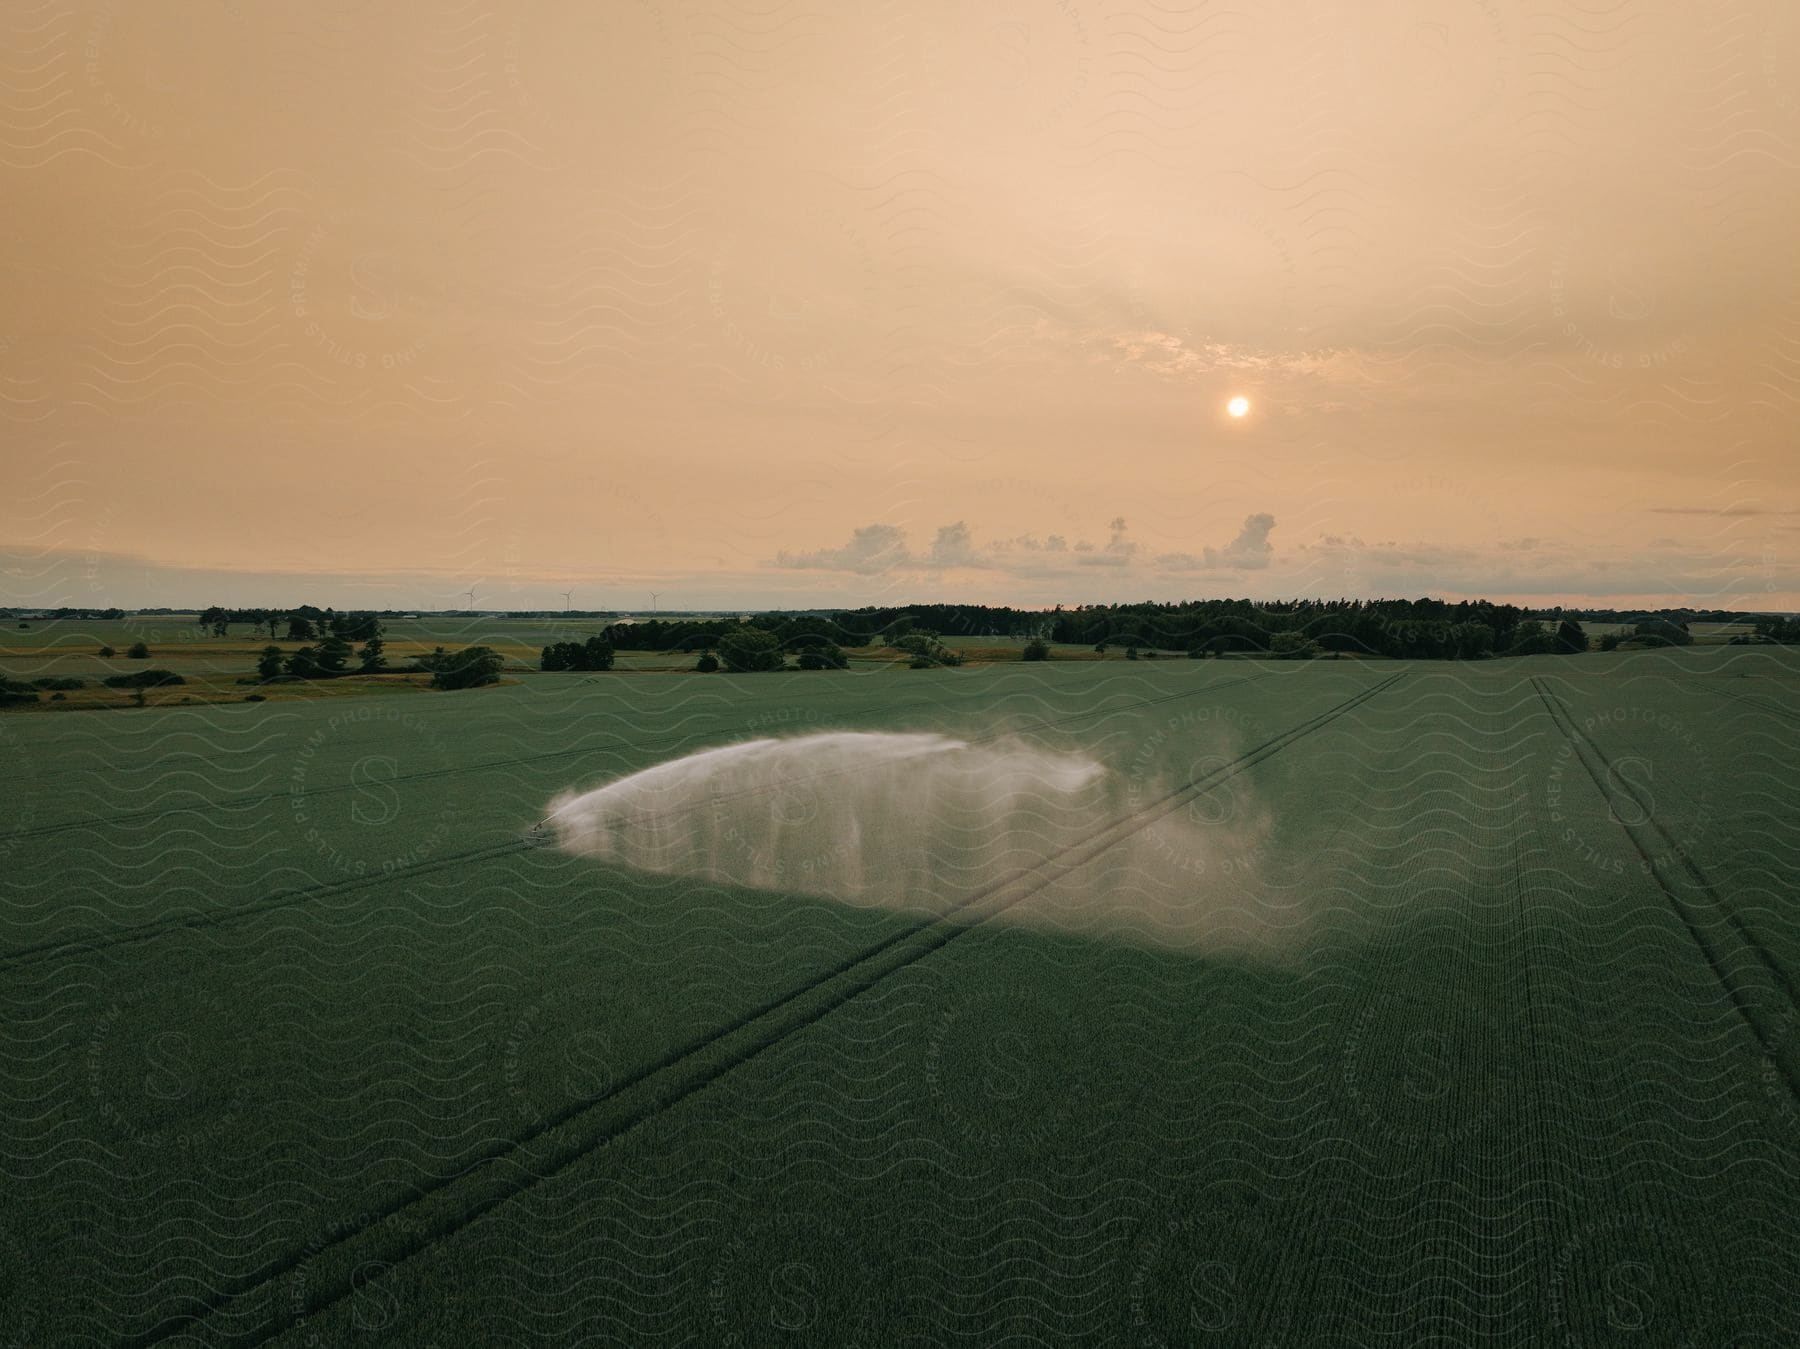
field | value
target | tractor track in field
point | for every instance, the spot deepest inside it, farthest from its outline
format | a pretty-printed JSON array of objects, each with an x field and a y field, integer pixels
[
  {"x": 663, "y": 742},
  {"x": 24, "y": 956},
  {"x": 1667, "y": 863},
  {"x": 1755, "y": 702},
  {"x": 437, "y": 1210},
  {"x": 263, "y": 798}
]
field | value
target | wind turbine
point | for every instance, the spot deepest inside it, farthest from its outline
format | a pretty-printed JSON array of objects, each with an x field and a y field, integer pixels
[
  {"x": 566, "y": 601},
  {"x": 654, "y": 596},
  {"x": 470, "y": 592}
]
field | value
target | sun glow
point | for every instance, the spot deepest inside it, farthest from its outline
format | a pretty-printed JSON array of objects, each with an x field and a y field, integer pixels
[{"x": 1238, "y": 406}]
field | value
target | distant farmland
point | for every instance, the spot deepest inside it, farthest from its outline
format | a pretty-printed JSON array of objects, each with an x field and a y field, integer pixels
[{"x": 1374, "y": 1001}]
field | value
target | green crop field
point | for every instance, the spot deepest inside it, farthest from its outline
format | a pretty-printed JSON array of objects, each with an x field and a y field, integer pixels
[{"x": 1354, "y": 1002}]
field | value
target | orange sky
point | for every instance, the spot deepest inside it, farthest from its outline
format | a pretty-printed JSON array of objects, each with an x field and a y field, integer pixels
[{"x": 765, "y": 304}]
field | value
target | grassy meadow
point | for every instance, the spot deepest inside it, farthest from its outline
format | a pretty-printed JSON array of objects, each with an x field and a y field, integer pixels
[
  {"x": 1394, "y": 1002},
  {"x": 222, "y": 669}
]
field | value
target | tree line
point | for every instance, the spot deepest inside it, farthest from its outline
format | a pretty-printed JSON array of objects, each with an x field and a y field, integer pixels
[
  {"x": 301, "y": 624},
  {"x": 1422, "y": 629}
]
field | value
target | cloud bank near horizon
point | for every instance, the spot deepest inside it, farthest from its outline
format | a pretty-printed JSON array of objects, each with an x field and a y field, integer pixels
[
  {"x": 876, "y": 565},
  {"x": 882, "y": 549}
]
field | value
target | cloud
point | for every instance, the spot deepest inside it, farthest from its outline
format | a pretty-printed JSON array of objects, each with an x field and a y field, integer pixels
[
  {"x": 878, "y": 548},
  {"x": 872, "y": 549},
  {"x": 1249, "y": 551},
  {"x": 955, "y": 547},
  {"x": 1030, "y": 543},
  {"x": 1175, "y": 356},
  {"x": 1724, "y": 511},
  {"x": 1118, "y": 550},
  {"x": 1662, "y": 571}
]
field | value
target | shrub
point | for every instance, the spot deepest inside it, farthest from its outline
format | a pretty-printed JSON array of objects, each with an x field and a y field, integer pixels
[
  {"x": 144, "y": 679},
  {"x": 60, "y": 682},
  {"x": 137, "y": 651},
  {"x": 707, "y": 663},
  {"x": 15, "y": 694},
  {"x": 920, "y": 663},
  {"x": 256, "y": 698},
  {"x": 1610, "y": 642},
  {"x": 1036, "y": 649},
  {"x": 59, "y": 697},
  {"x": 107, "y": 653},
  {"x": 823, "y": 657},
  {"x": 1131, "y": 653}
]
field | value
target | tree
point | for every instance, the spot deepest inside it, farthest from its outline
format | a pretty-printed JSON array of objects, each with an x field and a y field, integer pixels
[
  {"x": 370, "y": 657},
  {"x": 268, "y": 665},
  {"x": 1292, "y": 646},
  {"x": 594, "y": 654},
  {"x": 334, "y": 655},
  {"x": 300, "y": 628},
  {"x": 304, "y": 663},
  {"x": 925, "y": 646},
  {"x": 107, "y": 653},
  {"x": 356, "y": 627},
  {"x": 748, "y": 650},
  {"x": 137, "y": 651},
  {"x": 1771, "y": 628},
  {"x": 469, "y": 668},
  {"x": 823, "y": 657},
  {"x": 1131, "y": 653},
  {"x": 1531, "y": 638},
  {"x": 1661, "y": 632},
  {"x": 1570, "y": 638},
  {"x": 1036, "y": 649},
  {"x": 707, "y": 663}
]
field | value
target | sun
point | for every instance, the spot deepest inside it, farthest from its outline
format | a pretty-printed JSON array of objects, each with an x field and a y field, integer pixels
[{"x": 1238, "y": 406}]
